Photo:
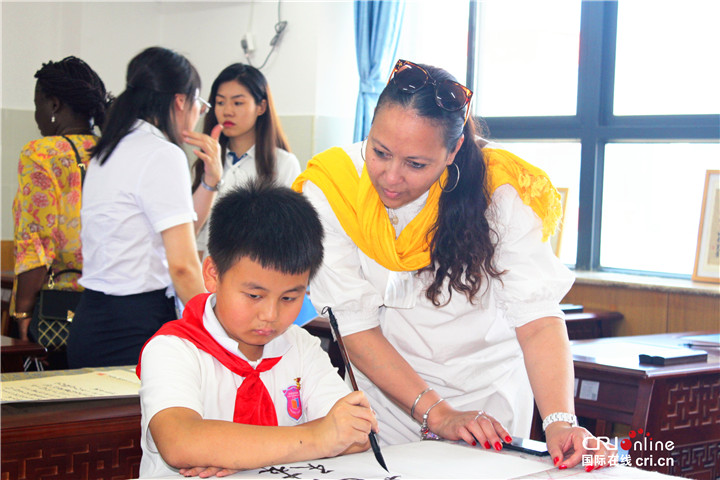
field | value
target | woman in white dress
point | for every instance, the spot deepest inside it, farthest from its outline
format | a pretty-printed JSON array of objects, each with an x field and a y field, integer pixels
[{"x": 439, "y": 272}]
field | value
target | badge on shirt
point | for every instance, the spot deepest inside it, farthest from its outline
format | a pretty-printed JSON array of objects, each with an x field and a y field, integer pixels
[{"x": 294, "y": 405}]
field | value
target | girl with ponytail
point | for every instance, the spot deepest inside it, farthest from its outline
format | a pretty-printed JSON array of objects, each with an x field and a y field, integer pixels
[{"x": 138, "y": 213}]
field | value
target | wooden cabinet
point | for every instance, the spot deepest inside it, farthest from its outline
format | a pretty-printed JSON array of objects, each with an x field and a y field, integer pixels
[
  {"x": 71, "y": 440},
  {"x": 677, "y": 403}
]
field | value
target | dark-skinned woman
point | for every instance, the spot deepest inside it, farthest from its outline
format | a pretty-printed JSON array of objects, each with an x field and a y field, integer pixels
[{"x": 70, "y": 100}]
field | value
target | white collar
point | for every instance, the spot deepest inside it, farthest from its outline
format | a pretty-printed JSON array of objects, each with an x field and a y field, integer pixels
[
  {"x": 247, "y": 156},
  {"x": 145, "y": 126},
  {"x": 277, "y": 347}
]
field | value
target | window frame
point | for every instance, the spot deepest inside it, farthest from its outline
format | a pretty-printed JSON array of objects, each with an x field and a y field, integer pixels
[{"x": 594, "y": 124}]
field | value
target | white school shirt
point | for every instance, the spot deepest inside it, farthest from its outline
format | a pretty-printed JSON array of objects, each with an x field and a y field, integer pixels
[
  {"x": 288, "y": 168},
  {"x": 468, "y": 353},
  {"x": 142, "y": 189},
  {"x": 175, "y": 373}
]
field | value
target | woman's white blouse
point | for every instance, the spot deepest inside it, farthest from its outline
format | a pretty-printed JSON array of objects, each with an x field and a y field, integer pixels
[
  {"x": 288, "y": 168},
  {"x": 467, "y": 351},
  {"x": 141, "y": 190}
]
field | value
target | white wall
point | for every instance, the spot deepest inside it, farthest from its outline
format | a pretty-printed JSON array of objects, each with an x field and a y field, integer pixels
[{"x": 312, "y": 74}]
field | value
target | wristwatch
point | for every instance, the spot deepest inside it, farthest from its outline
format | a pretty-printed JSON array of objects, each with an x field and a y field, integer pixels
[
  {"x": 559, "y": 417},
  {"x": 208, "y": 187}
]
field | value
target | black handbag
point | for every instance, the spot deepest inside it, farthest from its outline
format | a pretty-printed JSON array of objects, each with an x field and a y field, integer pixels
[{"x": 53, "y": 313}]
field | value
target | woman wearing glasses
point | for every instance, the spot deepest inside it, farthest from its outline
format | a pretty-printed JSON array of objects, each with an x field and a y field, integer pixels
[
  {"x": 138, "y": 239},
  {"x": 252, "y": 141},
  {"x": 439, "y": 272}
]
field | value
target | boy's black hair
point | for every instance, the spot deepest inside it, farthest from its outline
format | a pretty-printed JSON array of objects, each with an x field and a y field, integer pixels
[{"x": 269, "y": 224}]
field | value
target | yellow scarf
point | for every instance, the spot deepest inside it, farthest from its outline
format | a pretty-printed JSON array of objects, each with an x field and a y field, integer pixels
[
  {"x": 365, "y": 220},
  {"x": 532, "y": 184},
  {"x": 363, "y": 216}
]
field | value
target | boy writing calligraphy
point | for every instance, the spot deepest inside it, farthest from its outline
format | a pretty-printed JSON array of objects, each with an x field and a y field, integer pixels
[{"x": 234, "y": 385}]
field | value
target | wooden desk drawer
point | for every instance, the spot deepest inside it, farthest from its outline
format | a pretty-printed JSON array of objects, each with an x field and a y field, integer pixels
[
  {"x": 71, "y": 440},
  {"x": 609, "y": 396}
]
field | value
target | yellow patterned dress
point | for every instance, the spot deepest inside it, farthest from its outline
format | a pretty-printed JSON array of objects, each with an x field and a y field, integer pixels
[{"x": 46, "y": 209}]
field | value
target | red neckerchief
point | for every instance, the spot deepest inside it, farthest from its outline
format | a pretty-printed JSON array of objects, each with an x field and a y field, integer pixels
[{"x": 253, "y": 405}]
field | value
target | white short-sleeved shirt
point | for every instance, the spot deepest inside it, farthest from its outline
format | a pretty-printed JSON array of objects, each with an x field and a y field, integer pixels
[
  {"x": 288, "y": 168},
  {"x": 142, "y": 189},
  {"x": 468, "y": 353},
  {"x": 175, "y": 373}
]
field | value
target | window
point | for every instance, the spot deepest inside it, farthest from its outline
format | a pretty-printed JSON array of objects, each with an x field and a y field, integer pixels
[
  {"x": 527, "y": 66},
  {"x": 618, "y": 102},
  {"x": 670, "y": 65},
  {"x": 652, "y": 196},
  {"x": 445, "y": 44}
]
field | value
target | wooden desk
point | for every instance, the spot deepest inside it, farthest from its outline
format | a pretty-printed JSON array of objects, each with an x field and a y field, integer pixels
[
  {"x": 592, "y": 323},
  {"x": 70, "y": 439},
  {"x": 13, "y": 352},
  {"x": 85, "y": 439},
  {"x": 680, "y": 403}
]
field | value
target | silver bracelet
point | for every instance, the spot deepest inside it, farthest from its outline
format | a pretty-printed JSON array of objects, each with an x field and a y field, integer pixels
[
  {"x": 208, "y": 187},
  {"x": 425, "y": 432},
  {"x": 412, "y": 409},
  {"x": 560, "y": 417}
]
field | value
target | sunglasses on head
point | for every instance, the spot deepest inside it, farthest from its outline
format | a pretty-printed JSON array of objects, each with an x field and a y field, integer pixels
[{"x": 410, "y": 77}]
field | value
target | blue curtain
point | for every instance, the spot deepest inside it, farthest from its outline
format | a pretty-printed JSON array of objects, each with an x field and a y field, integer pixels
[{"x": 377, "y": 30}]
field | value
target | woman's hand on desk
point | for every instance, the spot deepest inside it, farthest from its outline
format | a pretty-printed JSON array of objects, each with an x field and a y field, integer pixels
[
  {"x": 564, "y": 439},
  {"x": 474, "y": 427}
]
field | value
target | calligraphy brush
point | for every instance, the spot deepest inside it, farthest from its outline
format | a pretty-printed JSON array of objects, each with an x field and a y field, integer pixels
[{"x": 348, "y": 369}]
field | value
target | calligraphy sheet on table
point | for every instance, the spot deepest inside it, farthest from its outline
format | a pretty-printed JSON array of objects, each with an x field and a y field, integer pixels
[
  {"x": 418, "y": 460},
  {"x": 439, "y": 461},
  {"x": 109, "y": 383}
]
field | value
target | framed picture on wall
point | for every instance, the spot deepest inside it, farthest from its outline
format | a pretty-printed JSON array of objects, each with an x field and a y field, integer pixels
[
  {"x": 707, "y": 256},
  {"x": 556, "y": 239}
]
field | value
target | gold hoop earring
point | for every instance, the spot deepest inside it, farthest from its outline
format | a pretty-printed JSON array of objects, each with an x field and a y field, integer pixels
[
  {"x": 457, "y": 179},
  {"x": 362, "y": 149}
]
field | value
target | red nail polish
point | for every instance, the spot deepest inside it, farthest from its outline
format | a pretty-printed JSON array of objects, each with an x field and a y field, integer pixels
[
  {"x": 498, "y": 446},
  {"x": 589, "y": 468},
  {"x": 562, "y": 467},
  {"x": 474, "y": 443},
  {"x": 487, "y": 445},
  {"x": 508, "y": 439},
  {"x": 557, "y": 459}
]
